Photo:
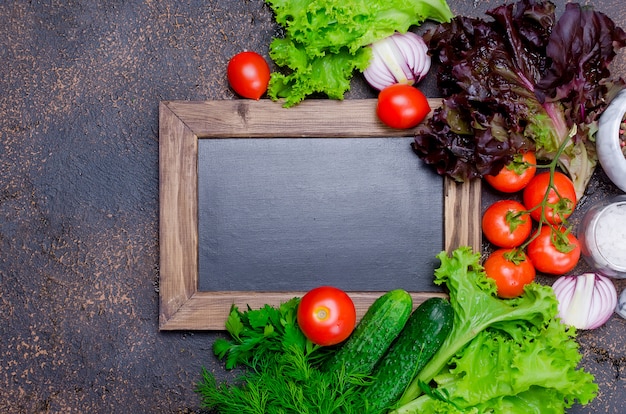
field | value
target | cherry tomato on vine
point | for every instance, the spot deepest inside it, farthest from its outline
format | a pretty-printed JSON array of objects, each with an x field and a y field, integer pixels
[
  {"x": 516, "y": 175},
  {"x": 326, "y": 315},
  {"x": 506, "y": 223},
  {"x": 511, "y": 269},
  {"x": 248, "y": 74},
  {"x": 402, "y": 106},
  {"x": 561, "y": 199},
  {"x": 555, "y": 251}
]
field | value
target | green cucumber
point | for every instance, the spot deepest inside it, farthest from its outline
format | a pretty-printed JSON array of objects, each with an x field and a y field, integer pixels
[
  {"x": 421, "y": 338},
  {"x": 373, "y": 335}
]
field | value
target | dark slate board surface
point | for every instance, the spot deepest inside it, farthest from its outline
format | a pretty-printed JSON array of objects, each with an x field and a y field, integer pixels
[{"x": 362, "y": 214}]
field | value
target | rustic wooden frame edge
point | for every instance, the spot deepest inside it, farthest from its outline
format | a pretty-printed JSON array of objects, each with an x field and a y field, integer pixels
[{"x": 181, "y": 123}]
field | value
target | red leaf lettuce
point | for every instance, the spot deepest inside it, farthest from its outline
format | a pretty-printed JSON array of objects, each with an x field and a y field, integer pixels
[{"x": 523, "y": 80}]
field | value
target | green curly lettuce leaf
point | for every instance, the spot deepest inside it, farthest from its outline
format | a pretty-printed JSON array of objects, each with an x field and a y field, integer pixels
[{"x": 504, "y": 356}]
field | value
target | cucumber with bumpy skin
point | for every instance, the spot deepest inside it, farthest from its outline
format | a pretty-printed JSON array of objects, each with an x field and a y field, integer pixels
[
  {"x": 373, "y": 335},
  {"x": 421, "y": 338}
]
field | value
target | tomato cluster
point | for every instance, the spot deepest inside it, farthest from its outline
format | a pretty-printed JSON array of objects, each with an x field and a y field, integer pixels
[{"x": 548, "y": 199}]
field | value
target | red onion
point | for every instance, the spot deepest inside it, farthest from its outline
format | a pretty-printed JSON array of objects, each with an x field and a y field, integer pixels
[
  {"x": 586, "y": 301},
  {"x": 399, "y": 58}
]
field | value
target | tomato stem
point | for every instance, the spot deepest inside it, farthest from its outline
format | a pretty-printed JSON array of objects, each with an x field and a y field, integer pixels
[{"x": 559, "y": 210}]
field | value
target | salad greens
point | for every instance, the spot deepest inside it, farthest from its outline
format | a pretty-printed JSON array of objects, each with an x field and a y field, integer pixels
[
  {"x": 523, "y": 80},
  {"x": 282, "y": 374},
  {"x": 324, "y": 40},
  {"x": 510, "y": 356},
  {"x": 503, "y": 355}
]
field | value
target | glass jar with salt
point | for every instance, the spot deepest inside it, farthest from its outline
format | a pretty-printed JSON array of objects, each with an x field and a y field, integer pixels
[{"x": 602, "y": 233}]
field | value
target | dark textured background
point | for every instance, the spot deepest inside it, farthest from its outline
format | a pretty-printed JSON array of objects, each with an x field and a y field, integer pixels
[{"x": 80, "y": 83}]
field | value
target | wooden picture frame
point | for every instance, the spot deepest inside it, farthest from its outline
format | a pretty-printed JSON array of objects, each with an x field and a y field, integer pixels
[{"x": 182, "y": 123}]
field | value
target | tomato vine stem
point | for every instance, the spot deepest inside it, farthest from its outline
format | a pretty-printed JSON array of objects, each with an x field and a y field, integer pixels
[{"x": 560, "y": 239}]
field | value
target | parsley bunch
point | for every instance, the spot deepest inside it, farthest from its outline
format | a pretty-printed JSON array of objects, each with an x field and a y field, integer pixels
[{"x": 256, "y": 333}]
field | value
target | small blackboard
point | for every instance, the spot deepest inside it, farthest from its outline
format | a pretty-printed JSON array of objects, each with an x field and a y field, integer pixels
[
  {"x": 280, "y": 214},
  {"x": 259, "y": 203}
]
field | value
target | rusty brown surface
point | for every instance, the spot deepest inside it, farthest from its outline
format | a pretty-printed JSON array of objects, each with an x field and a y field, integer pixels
[{"x": 80, "y": 83}]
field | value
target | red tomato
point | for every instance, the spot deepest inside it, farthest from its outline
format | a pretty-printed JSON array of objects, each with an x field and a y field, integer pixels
[
  {"x": 248, "y": 74},
  {"x": 402, "y": 106},
  {"x": 506, "y": 223},
  {"x": 554, "y": 251},
  {"x": 326, "y": 315},
  {"x": 511, "y": 269},
  {"x": 561, "y": 199},
  {"x": 515, "y": 176}
]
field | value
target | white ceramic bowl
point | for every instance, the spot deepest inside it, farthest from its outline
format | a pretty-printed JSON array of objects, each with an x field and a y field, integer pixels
[{"x": 607, "y": 141}]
